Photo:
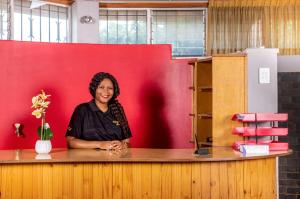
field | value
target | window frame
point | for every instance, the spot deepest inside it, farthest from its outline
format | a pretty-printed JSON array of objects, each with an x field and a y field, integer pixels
[
  {"x": 124, "y": 9},
  {"x": 68, "y": 21},
  {"x": 149, "y": 12},
  {"x": 8, "y": 11}
]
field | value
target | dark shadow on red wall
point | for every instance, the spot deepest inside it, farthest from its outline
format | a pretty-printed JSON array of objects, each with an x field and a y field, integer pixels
[{"x": 155, "y": 127}]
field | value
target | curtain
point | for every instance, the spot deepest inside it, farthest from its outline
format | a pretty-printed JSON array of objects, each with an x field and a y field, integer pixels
[{"x": 234, "y": 25}]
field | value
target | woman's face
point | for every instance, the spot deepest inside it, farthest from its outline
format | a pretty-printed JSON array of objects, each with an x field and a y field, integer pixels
[{"x": 104, "y": 91}]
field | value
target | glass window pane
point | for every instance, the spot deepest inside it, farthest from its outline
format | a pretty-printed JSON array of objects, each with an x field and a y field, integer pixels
[
  {"x": 46, "y": 23},
  {"x": 132, "y": 29},
  {"x": 26, "y": 25},
  {"x": 185, "y": 30},
  {"x": 17, "y": 26},
  {"x": 36, "y": 25},
  {"x": 26, "y": 21},
  {"x": 63, "y": 19},
  {"x": 103, "y": 28},
  {"x": 53, "y": 27},
  {"x": 54, "y": 22},
  {"x": 4, "y": 19},
  {"x": 141, "y": 30},
  {"x": 123, "y": 26},
  {"x": 112, "y": 29},
  {"x": 122, "y": 30}
]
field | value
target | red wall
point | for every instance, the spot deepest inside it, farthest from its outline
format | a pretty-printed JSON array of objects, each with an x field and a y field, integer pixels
[{"x": 154, "y": 89}]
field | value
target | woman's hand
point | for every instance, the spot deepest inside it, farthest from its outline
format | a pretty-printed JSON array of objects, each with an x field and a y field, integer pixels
[
  {"x": 76, "y": 143},
  {"x": 111, "y": 145},
  {"x": 125, "y": 143}
]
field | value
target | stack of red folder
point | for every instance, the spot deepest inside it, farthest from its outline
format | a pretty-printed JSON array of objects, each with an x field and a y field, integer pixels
[{"x": 256, "y": 130}]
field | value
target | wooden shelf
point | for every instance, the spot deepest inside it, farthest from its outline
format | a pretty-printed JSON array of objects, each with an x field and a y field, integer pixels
[
  {"x": 205, "y": 144},
  {"x": 205, "y": 88},
  {"x": 205, "y": 115}
]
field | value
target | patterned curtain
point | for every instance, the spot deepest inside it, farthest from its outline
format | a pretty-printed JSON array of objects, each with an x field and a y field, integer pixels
[{"x": 234, "y": 25}]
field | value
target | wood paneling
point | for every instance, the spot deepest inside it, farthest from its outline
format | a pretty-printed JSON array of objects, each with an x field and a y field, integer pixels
[
  {"x": 205, "y": 180},
  {"x": 229, "y": 96},
  {"x": 130, "y": 155},
  {"x": 61, "y": 2},
  {"x": 230, "y": 179},
  {"x": 166, "y": 178},
  {"x": 155, "y": 5}
]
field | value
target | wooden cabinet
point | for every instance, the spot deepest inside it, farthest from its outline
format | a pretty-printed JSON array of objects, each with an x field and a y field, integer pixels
[
  {"x": 219, "y": 91},
  {"x": 202, "y": 99}
]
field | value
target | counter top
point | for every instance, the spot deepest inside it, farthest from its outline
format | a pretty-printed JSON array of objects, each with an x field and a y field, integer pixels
[{"x": 128, "y": 155}]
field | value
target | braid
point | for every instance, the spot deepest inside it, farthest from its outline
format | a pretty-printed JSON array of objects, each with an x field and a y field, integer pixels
[{"x": 119, "y": 114}]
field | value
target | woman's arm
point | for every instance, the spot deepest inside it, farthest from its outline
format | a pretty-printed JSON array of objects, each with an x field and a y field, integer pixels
[{"x": 76, "y": 143}]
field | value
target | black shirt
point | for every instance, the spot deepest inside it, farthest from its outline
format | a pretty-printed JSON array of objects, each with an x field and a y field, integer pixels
[{"x": 88, "y": 122}]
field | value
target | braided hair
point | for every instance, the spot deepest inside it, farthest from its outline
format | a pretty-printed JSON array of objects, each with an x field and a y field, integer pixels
[{"x": 115, "y": 107}]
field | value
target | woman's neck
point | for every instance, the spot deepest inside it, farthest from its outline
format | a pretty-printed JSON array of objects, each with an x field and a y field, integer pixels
[{"x": 102, "y": 106}]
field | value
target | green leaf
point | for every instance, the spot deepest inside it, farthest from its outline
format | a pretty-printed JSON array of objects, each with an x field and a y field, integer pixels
[{"x": 47, "y": 135}]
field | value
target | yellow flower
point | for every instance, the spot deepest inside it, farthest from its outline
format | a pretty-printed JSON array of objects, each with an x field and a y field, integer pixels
[
  {"x": 35, "y": 101},
  {"x": 37, "y": 113},
  {"x": 44, "y": 104},
  {"x": 40, "y": 104},
  {"x": 43, "y": 95}
]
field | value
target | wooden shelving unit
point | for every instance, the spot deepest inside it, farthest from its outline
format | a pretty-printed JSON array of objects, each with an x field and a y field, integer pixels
[
  {"x": 219, "y": 90},
  {"x": 202, "y": 99}
]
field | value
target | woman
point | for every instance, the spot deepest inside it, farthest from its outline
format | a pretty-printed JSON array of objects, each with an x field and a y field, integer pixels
[{"x": 100, "y": 123}]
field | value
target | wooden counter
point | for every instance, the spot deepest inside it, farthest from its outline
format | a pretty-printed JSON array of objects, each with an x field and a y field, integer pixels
[{"x": 137, "y": 173}]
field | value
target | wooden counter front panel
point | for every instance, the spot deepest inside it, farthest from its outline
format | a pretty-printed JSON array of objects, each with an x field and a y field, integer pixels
[{"x": 231, "y": 179}]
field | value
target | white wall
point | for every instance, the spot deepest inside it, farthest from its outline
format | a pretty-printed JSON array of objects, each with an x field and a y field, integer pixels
[
  {"x": 289, "y": 63},
  {"x": 262, "y": 97},
  {"x": 83, "y": 32}
]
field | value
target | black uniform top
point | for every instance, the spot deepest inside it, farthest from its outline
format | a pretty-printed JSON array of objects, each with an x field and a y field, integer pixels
[{"x": 88, "y": 122}]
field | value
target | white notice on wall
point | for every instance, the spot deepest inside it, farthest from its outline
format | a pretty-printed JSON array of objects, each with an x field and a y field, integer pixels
[{"x": 264, "y": 75}]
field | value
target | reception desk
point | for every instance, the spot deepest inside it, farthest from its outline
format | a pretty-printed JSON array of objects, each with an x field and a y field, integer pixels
[{"x": 137, "y": 173}]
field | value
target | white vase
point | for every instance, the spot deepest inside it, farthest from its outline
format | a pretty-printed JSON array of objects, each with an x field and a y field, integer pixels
[{"x": 43, "y": 146}]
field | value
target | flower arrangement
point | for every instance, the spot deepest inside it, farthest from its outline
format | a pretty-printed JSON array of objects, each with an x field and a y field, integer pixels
[{"x": 40, "y": 103}]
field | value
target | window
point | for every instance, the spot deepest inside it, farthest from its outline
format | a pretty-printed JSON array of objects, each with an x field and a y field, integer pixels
[
  {"x": 47, "y": 23},
  {"x": 4, "y": 19},
  {"x": 123, "y": 27},
  {"x": 184, "y": 29}
]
